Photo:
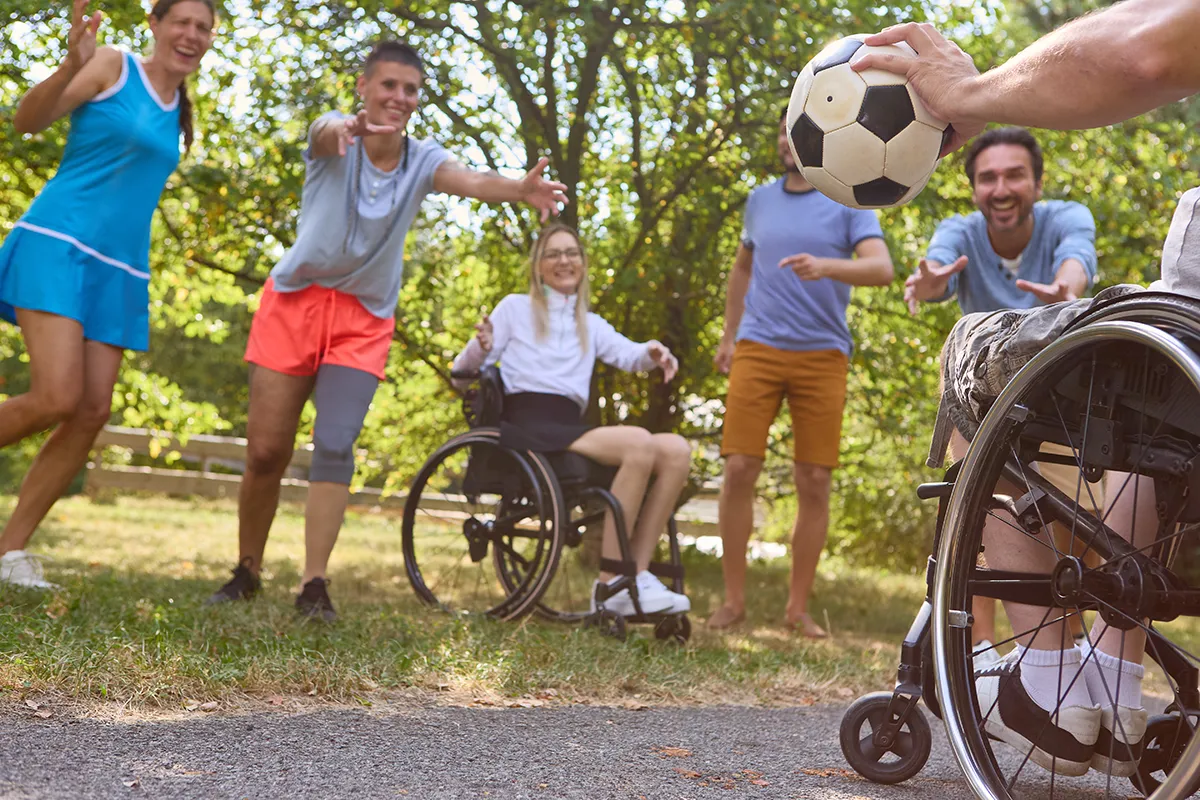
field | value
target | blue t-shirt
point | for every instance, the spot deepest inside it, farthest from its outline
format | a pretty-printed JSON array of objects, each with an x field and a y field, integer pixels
[
  {"x": 783, "y": 311},
  {"x": 1062, "y": 229}
]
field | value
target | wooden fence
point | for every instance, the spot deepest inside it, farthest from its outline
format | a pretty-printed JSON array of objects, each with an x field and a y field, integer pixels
[{"x": 697, "y": 517}]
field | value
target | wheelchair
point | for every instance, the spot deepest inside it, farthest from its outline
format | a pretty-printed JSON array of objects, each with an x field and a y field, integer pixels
[
  {"x": 1119, "y": 392},
  {"x": 499, "y": 532}
]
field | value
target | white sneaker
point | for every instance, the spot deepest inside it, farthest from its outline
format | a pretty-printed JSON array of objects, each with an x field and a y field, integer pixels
[
  {"x": 985, "y": 655},
  {"x": 23, "y": 569},
  {"x": 648, "y": 582}
]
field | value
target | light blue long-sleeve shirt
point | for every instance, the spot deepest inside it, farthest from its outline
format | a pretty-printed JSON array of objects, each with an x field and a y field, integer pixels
[{"x": 1062, "y": 229}]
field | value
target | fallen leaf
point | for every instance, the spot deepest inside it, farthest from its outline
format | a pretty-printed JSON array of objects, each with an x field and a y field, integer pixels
[
  {"x": 133, "y": 784},
  {"x": 687, "y": 773},
  {"x": 844, "y": 692},
  {"x": 32, "y": 704},
  {"x": 759, "y": 782},
  {"x": 827, "y": 772},
  {"x": 191, "y": 705},
  {"x": 44, "y": 714},
  {"x": 275, "y": 700},
  {"x": 211, "y": 705},
  {"x": 671, "y": 752}
]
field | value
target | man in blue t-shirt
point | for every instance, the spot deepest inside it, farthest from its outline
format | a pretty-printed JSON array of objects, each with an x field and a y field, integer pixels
[
  {"x": 786, "y": 334},
  {"x": 1016, "y": 251}
]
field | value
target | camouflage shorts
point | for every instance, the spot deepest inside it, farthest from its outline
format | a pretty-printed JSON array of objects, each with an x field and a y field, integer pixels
[{"x": 985, "y": 350}]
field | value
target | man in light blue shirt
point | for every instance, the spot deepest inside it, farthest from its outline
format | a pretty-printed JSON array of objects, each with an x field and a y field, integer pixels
[{"x": 1017, "y": 250}]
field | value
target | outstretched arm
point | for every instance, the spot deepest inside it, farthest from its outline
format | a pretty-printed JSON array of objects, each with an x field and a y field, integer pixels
[
  {"x": 86, "y": 72},
  {"x": 1097, "y": 70},
  {"x": 454, "y": 178}
]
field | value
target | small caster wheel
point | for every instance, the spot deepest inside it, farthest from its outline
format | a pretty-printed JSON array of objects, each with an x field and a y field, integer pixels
[
  {"x": 609, "y": 623},
  {"x": 676, "y": 627},
  {"x": 1164, "y": 742},
  {"x": 892, "y": 764}
]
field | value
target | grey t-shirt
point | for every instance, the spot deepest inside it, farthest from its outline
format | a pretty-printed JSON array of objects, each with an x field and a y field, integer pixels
[{"x": 353, "y": 222}]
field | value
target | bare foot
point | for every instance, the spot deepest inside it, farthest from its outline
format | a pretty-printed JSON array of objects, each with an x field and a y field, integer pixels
[
  {"x": 804, "y": 625},
  {"x": 725, "y": 617}
]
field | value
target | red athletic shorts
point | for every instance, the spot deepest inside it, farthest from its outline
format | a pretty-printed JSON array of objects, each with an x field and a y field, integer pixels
[{"x": 296, "y": 332}]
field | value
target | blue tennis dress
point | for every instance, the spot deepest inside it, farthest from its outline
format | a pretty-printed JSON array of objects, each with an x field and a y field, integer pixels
[{"x": 82, "y": 250}]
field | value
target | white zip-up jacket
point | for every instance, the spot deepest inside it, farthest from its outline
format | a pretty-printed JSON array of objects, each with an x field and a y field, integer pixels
[{"x": 556, "y": 364}]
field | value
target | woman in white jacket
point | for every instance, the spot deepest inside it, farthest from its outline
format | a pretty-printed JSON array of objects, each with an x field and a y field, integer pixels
[{"x": 548, "y": 343}]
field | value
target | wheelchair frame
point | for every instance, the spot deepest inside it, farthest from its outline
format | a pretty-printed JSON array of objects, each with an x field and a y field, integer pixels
[
  {"x": 1130, "y": 578},
  {"x": 483, "y": 409}
]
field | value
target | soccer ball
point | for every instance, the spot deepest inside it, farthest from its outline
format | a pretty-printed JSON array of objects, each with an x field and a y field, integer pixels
[{"x": 863, "y": 139}]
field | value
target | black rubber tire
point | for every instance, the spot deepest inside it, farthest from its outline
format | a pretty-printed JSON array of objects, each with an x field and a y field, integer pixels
[{"x": 917, "y": 739}]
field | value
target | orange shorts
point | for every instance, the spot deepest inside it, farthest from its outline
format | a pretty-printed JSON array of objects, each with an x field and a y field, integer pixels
[
  {"x": 814, "y": 382},
  {"x": 296, "y": 332}
]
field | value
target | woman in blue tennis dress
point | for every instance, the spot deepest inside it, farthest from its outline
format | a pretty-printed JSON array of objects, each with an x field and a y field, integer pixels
[{"x": 75, "y": 269}]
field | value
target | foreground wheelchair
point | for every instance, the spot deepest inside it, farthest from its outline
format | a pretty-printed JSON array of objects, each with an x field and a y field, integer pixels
[
  {"x": 502, "y": 532},
  {"x": 1118, "y": 392}
]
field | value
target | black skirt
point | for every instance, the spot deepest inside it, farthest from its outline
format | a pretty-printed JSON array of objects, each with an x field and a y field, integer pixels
[{"x": 544, "y": 423}]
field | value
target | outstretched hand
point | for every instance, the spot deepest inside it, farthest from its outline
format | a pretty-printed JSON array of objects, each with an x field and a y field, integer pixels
[
  {"x": 81, "y": 41},
  {"x": 929, "y": 282},
  {"x": 357, "y": 126},
  {"x": 663, "y": 357},
  {"x": 1048, "y": 293},
  {"x": 483, "y": 333},
  {"x": 540, "y": 193},
  {"x": 940, "y": 72}
]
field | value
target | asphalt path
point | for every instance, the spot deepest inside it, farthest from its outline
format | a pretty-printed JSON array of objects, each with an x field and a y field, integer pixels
[{"x": 391, "y": 751}]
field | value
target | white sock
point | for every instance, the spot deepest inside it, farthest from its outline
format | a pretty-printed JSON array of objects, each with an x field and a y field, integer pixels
[
  {"x": 1111, "y": 679},
  {"x": 1049, "y": 675}
]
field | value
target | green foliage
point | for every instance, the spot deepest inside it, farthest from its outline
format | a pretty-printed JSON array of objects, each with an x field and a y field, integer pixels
[{"x": 659, "y": 116}]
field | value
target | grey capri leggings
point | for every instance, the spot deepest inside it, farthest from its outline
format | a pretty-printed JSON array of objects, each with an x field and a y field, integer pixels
[{"x": 342, "y": 396}]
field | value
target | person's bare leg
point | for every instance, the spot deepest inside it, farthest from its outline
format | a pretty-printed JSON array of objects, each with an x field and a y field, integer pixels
[
  {"x": 628, "y": 449},
  {"x": 56, "y": 376},
  {"x": 276, "y": 401},
  {"x": 66, "y": 451},
  {"x": 983, "y": 609},
  {"x": 672, "y": 461},
  {"x": 1130, "y": 511},
  {"x": 1006, "y": 548},
  {"x": 813, "y": 483},
  {"x": 323, "y": 517},
  {"x": 735, "y": 513}
]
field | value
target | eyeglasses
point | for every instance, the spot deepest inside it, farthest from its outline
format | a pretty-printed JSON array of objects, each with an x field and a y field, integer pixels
[{"x": 570, "y": 254}]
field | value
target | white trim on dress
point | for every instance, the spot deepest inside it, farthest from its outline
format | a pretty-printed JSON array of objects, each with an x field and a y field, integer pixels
[
  {"x": 71, "y": 240},
  {"x": 174, "y": 104},
  {"x": 120, "y": 84}
]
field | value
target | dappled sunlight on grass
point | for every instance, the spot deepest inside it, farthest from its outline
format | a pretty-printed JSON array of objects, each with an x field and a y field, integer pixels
[{"x": 129, "y": 624}]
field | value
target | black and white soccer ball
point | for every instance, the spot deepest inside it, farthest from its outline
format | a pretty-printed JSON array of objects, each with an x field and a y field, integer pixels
[{"x": 863, "y": 139}]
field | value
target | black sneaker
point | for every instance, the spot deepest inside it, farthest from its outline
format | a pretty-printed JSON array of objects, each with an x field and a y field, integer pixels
[
  {"x": 243, "y": 586},
  {"x": 313, "y": 601},
  {"x": 1063, "y": 742}
]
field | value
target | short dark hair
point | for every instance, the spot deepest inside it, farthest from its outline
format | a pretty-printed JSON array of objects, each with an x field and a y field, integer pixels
[
  {"x": 1011, "y": 135},
  {"x": 396, "y": 52}
]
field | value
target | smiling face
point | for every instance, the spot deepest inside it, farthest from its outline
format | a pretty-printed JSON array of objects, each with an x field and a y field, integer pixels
[
  {"x": 182, "y": 34},
  {"x": 560, "y": 262},
  {"x": 1005, "y": 189},
  {"x": 390, "y": 92}
]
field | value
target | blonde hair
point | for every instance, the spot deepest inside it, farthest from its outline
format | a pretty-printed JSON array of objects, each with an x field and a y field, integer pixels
[{"x": 537, "y": 289}]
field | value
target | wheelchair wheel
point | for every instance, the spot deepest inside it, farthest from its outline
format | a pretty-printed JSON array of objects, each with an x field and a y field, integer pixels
[
  {"x": 1026, "y": 524},
  {"x": 894, "y": 762},
  {"x": 677, "y": 628},
  {"x": 472, "y": 500}
]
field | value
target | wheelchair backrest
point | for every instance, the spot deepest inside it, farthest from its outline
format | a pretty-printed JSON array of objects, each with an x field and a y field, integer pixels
[{"x": 483, "y": 403}]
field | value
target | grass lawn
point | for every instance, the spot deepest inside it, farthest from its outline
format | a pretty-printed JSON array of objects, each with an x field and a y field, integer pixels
[{"x": 129, "y": 626}]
